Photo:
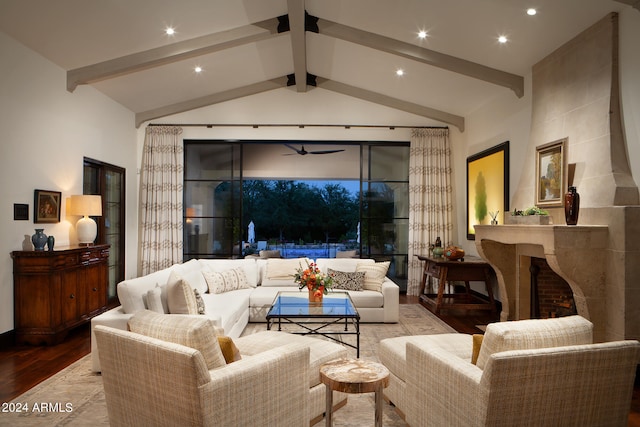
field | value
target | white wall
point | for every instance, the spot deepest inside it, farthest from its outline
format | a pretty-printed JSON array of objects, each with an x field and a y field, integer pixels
[
  {"x": 629, "y": 20},
  {"x": 46, "y": 132},
  {"x": 509, "y": 119}
]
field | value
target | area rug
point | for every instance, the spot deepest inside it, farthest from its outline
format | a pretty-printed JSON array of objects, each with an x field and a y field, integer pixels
[{"x": 74, "y": 396}]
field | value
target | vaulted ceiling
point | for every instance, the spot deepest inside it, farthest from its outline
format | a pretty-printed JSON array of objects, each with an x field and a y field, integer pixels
[{"x": 353, "y": 47}]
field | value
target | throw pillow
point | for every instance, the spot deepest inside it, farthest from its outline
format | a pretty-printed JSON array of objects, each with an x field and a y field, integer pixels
[
  {"x": 280, "y": 272},
  {"x": 230, "y": 352},
  {"x": 226, "y": 281},
  {"x": 180, "y": 296},
  {"x": 477, "y": 343},
  {"x": 199, "y": 301},
  {"x": 347, "y": 281},
  {"x": 194, "y": 332},
  {"x": 154, "y": 300},
  {"x": 374, "y": 274}
]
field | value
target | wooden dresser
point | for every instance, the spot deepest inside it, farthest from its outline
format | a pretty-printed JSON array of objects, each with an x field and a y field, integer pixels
[{"x": 54, "y": 291}]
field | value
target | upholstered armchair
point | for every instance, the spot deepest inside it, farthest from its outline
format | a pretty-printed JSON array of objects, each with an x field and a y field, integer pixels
[
  {"x": 527, "y": 373},
  {"x": 149, "y": 381}
]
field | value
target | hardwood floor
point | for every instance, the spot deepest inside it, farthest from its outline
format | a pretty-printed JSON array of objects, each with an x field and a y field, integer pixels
[{"x": 22, "y": 367}]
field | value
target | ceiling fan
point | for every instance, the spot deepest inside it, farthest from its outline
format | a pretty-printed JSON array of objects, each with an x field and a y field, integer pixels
[{"x": 303, "y": 152}]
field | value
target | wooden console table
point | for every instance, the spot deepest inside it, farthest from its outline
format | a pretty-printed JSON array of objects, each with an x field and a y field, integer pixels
[
  {"x": 57, "y": 290},
  {"x": 466, "y": 270}
]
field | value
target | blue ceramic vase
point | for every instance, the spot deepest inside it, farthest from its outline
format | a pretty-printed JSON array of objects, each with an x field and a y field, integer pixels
[{"x": 39, "y": 239}]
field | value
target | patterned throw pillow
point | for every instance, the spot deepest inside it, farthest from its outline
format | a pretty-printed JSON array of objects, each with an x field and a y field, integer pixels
[
  {"x": 347, "y": 281},
  {"x": 199, "y": 301},
  {"x": 226, "y": 281},
  {"x": 374, "y": 275}
]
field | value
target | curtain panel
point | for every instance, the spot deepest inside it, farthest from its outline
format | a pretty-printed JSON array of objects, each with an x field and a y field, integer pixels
[
  {"x": 161, "y": 189},
  {"x": 430, "y": 197}
]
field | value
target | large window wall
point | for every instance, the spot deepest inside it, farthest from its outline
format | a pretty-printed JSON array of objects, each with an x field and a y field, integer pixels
[{"x": 216, "y": 218}]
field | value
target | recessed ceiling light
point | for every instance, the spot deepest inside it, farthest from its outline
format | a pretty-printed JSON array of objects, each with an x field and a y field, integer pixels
[
  {"x": 399, "y": 72},
  {"x": 422, "y": 34},
  {"x": 170, "y": 31},
  {"x": 531, "y": 11},
  {"x": 502, "y": 39},
  {"x": 197, "y": 69}
]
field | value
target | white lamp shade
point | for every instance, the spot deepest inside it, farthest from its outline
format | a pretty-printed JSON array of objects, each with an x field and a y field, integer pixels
[
  {"x": 87, "y": 230},
  {"x": 85, "y": 205}
]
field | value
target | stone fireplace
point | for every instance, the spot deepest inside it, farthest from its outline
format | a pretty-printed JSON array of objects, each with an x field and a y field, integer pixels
[{"x": 575, "y": 95}]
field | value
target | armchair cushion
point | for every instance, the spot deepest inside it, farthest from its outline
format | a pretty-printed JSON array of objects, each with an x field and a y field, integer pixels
[
  {"x": 534, "y": 333},
  {"x": 195, "y": 332}
]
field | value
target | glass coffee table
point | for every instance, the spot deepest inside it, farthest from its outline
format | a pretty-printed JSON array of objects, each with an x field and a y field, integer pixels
[{"x": 317, "y": 318}]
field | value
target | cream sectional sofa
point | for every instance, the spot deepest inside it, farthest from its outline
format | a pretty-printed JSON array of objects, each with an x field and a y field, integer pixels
[{"x": 232, "y": 310}]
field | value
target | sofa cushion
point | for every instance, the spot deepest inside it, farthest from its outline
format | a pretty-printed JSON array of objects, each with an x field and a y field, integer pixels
[
  {"x": 225, "y": 281},
  {"x": 392, "y": 352},
  {"x": 195, "y": 332},
  {"x": 180, "y": 296},
  {"x": 131, "y": 291},
  {"x": 322, "y": 351},
  {"x": 350, "y": 281},
  {"x": 342, "y": 264},
  {"x": 191, "y": 271},
  {"x": 374, "y": 274},
  {"x": 229, "y": 306},
  {"x": 249, "y": 266},
  {"x": 280, "y": 272},
  {"x": 534, "y": 333},
  {"x": 366, "y": 299}
]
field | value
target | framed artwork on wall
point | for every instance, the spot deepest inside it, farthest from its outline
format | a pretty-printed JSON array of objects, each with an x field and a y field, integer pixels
[
  {"x": 551, "y": 173},
  {"x": 487, "y": 187},
  {"x": 46, "y": 206}
]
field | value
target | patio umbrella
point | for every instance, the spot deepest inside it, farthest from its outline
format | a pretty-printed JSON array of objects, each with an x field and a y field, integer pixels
[{"x": 252, "y": 233}]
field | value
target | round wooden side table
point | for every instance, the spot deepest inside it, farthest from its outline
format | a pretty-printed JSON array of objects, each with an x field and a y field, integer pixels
[{"x": 354, "y": 376}]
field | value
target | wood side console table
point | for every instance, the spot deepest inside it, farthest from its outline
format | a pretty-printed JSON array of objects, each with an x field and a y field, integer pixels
[
  {"x": 469, "y": 269},
  {"x": 54, "y": 291}
]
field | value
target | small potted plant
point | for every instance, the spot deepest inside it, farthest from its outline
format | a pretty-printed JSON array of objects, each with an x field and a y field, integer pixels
[{"x": 530, "y": 216}]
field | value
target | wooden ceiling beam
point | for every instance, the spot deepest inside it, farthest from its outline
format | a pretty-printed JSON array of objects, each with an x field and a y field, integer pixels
[
  {"x": 426, "y": 56},
  {"x": 391, "y": 102},
  {"x": 172, "y": 53},
  {"x": 298, "y": 42},
  {"x": 634, "y": 3},
  {"x": 212, "y": 99}
]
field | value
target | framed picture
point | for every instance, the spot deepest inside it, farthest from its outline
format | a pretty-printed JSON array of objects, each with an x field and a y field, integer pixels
[
  {"x": 46, "y": 206},
  {"x": 487, "y": 187},
  {"x": 551, "y": 173}
]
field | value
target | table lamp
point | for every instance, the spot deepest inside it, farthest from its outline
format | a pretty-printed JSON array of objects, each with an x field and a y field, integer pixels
[{"x": 86, "y": 206}]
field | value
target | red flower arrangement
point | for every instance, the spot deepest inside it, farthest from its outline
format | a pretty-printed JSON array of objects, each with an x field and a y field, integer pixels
[{"x": 313, "y": 279}]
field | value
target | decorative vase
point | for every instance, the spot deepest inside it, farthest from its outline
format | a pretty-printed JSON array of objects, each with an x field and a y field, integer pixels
[
  {"x": 50, "y": 242},
  {"x": 571, "y": 206},
  {"x": 39, "y": 239},
  {"x": 313, "y": 297}
]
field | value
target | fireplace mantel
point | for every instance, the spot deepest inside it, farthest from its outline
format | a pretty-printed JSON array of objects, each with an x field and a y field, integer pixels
[{"x": 575, "y": 253}]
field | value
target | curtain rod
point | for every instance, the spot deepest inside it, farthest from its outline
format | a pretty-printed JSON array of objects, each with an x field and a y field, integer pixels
[{"x": 212, "y": 125}]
